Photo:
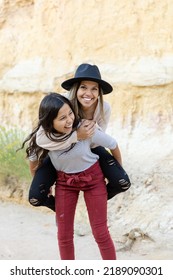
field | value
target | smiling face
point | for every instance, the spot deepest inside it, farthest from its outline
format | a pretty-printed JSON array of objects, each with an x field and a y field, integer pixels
[
  {"x": 88, "y": 93},
  {"x": 64, "y": 120}
]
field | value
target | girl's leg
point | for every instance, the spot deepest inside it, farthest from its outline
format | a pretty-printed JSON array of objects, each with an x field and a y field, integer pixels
[
  {"x": 44, "y": 178},
  {"x": 96, "y": 202},
  {"x": 118, "y": 180},
  {"x": 65, "y": 203}
]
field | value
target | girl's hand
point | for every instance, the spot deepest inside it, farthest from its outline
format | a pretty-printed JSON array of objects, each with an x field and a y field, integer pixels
[{"x": 86, "y": 129}]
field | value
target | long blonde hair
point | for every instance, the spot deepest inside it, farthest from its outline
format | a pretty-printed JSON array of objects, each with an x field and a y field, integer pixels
[{"x": 77, "y": 105}]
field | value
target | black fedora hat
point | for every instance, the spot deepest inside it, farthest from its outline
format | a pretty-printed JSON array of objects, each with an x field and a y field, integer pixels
[{"x": 87, "y": 72}]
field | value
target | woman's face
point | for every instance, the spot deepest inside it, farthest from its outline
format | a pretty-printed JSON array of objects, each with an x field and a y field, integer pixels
[
  {"x": 63, "y": 122},
  {"x": 87, "y": 93}
]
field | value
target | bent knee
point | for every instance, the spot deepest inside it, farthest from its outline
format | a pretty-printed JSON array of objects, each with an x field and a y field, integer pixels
[
  {"x": 124, "y": 184},
  {"x": 34, "y": 202}
]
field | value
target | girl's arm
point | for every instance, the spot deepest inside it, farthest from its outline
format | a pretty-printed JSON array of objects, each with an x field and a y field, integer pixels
[
  {"x": 44, "y": 142},
  {"x": 85, "y": 131}
]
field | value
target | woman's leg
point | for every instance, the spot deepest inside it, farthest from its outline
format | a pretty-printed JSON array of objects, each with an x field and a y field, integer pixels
[
  {"x": 44, "y": 178},
  {"x": 96, "y": 202},
  {"x": 65, "y": 201},
  {"x": 118, "y": 180}
]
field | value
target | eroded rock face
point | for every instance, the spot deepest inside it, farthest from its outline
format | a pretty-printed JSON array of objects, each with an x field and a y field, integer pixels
[
  {"x": 130, "y": 41},
  {"x": 42, "y": 42}
]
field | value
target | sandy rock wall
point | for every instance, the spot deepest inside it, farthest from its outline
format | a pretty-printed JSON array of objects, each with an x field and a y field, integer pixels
[
  {"x": 41, "y": 43},
  {"x": 131, "y": 41}
]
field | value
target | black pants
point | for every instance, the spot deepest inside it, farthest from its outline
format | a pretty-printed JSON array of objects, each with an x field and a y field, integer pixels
[
  {"x": 118, "y": 180},
  {"x": 45, "y": 177}
]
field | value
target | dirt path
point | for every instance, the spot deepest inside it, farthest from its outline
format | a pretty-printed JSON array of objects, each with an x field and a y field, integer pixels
[{"x": 28, "y": 233}]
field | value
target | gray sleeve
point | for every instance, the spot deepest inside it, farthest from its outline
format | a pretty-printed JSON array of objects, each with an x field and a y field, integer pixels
[{"x": 102, "y": 139}]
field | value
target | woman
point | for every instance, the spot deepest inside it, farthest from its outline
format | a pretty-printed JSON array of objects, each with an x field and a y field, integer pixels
[
  {"x": 86, "y": 94},
  {"x": 76, "y": 172}
]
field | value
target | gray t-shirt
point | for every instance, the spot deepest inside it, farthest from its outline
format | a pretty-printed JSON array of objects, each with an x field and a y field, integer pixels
[{"x": 80, "y": 157}]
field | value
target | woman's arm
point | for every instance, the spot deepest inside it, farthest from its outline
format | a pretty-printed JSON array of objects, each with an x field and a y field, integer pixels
[
  {"x": 117, "y": 154},
  {"x": 33, "y": 166},
  {"x": 102, "y": 122},
  {"x": 102, "y": 139}
]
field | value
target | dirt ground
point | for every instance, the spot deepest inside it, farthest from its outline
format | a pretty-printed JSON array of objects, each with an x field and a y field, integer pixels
[{"x": 29, "y": 233}]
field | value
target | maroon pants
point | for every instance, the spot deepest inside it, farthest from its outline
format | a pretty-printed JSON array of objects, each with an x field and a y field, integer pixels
[{"x": 91, "y": 182}]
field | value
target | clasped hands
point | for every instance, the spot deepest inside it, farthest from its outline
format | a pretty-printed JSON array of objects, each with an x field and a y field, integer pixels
[{"x": 86, "y": 129}]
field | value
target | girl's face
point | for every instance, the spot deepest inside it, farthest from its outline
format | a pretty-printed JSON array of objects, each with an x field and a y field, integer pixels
[
  {"x": 63, "y": 122},
  {"x": 88, "y": 93}
]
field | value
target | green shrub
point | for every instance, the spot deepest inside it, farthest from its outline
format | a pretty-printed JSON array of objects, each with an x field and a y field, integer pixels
[{"x": 13, "y": 163}]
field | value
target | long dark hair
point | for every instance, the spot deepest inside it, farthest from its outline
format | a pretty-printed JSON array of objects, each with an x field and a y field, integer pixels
[{"x": 48, "y": 110}]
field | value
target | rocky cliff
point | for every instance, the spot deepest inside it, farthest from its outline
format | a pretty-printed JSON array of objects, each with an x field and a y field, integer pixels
[{"x": 132, "y": 43}]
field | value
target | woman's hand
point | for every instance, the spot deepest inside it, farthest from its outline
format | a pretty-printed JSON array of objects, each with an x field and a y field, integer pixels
[
  {"x": 33, "y": 166},
  {"x": 86, "y": 129}
]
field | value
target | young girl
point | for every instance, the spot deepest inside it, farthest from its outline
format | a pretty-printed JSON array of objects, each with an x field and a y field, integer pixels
[
  {"x": 78, "y": 170},
  {"x": 86, "y": 94}
]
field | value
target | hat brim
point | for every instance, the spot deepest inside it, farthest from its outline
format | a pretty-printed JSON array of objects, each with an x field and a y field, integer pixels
[{"x": 106, "y": 87}]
